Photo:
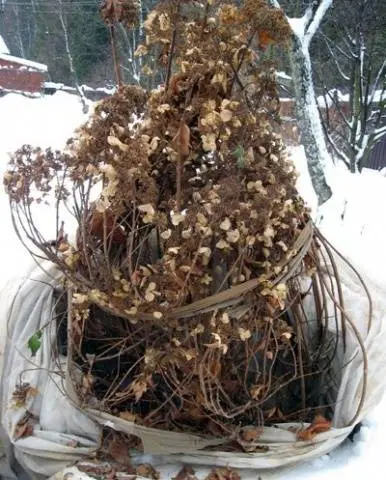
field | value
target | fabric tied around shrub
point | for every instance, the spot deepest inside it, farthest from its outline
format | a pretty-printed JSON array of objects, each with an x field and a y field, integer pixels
[{"x": 64, "y": 432}]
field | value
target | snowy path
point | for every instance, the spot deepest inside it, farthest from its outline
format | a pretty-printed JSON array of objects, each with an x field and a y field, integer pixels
[{"x": 361, "y": 233}]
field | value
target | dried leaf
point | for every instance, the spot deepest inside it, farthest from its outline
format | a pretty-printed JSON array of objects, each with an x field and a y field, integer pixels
[
  {"x": 244, "y": 334},
  {"x": 141, "y": 50},
  {"x": 139, "y": 388},
  {"x": 186, "y": 473},
  {"x": 147, "y": 471},
  {"x": 164, "y": 22},
  {"x": 115, "y": 142},
  {"x": 181, "y": 141},
  {"x": 225, "y": 224},
  {"x": 25, "y": 426},
  {"x": 223, "y": 474},
  {"x": 319, "y": 425},
  {"x": 226, "y": 115},
  {"x": 177, "y": 218},
  {"x": 22, "y": 393},
  {"x": 118, "y": 449},
  {"x": 149, "y": 296},
  {"x": 209, "y": 142},
  {"x": 265, "y": 39},
  {"x": 166, "y": 234},
  {"x": 147, "y": 208},
  {"x": 233, "y": 236},
  {"x": 250, "y": 156},
  {"x": 257, "y": 391},
  {"x": 222, "y": 244},
  {"x": 122, "y": 11},
  {"x": 251, "y": 434}
]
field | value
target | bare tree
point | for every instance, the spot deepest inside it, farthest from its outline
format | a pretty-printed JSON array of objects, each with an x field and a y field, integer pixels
[
  {"x": 18, "y": 31},
  {"x": 310, "y": 127},
  {"x": 70, "y": 57},
  {"x": 134, "y": 66},
  {"x": 354, "y": 116}
]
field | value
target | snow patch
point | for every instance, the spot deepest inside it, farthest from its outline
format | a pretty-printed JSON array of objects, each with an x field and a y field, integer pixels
[
  {"x": 44, "y": 121},
  {"x": 3, "y": 46},
  {"x": 298, "y": 25}
]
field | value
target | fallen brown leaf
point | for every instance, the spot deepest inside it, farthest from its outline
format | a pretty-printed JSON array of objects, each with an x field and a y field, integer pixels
[
  {"x": 319, "y": 425},
  {"x": 182, "y": 139},
  {"x": 128, "y": 416},
  {"x": 265, "y": 39},
  {"x": 22, "y": 393},
  {"x": 251, "y": 434},
  {"x": 119, "y": 451},
  {"x": 25, "y": 426}
]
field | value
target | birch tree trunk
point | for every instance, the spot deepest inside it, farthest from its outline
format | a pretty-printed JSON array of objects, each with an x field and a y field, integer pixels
[
  {"x": 310, "y": 127},
  {"x": 307, "y": 114},
  {"x": 70, "y": 59},
  {"x": 18, "y": 32}
]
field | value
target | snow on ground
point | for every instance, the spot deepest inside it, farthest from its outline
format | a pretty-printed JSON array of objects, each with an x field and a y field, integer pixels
[
  {"x": 42, "y": 121},
  {"x": 354, "y": 220}
]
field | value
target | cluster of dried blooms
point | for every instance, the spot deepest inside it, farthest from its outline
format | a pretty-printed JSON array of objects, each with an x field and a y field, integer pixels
[
  {"x": 188, "y": 218},
  {"x": 125, "y": 12}
]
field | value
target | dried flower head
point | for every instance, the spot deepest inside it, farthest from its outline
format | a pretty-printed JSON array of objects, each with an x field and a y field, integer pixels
[{"x": 120, "y": 11}]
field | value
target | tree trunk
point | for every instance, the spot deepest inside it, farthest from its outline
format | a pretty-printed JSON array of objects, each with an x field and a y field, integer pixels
[
  {"x": 18, "y": 32},
  {"x": 308, "y": 118},
  {"x": 71, "y": 65}
]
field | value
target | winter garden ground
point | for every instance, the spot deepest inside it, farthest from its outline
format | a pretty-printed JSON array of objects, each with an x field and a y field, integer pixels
[{"x": 354, "y": 220}]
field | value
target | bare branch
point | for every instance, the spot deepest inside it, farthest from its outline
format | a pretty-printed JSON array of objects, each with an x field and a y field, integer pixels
[
  {"x": 339, "y": 110},
  {"x": 70, "y": 58},
  {"x": 317, "y": 13},
  {"x": 381, "y": 72},
  {"x": 328, "y": 42}
]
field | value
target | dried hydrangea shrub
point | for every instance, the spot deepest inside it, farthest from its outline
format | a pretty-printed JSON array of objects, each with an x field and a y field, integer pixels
[{"x": 180, "y": 275}]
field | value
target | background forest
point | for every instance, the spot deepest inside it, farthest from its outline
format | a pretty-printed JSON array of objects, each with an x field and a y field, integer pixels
[
  {"x": 346, "y": 49},
  {"x": 51, "y": 31}
]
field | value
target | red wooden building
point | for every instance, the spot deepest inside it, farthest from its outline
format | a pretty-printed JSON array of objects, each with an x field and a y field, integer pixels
[{"x": 19, "y": 74}]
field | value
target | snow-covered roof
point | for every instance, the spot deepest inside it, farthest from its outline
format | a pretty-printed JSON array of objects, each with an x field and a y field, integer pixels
[
  {"x": 3, "y": 46},
  {"x": 26, "y": 63}
]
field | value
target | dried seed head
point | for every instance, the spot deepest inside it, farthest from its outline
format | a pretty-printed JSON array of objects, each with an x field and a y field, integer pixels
[{"x": 120, "y": 11}]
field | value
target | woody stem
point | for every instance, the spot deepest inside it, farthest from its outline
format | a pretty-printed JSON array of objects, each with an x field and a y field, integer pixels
[
  {"x": 178, "y": 183},
  {"x": 114, "y": 49},
  {"x": 170, "y": 59}
]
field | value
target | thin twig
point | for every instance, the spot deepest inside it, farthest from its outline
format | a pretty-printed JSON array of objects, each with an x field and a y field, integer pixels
[
  {"x": 114, "y": 49},
  {"x": 170, "y": 59}
]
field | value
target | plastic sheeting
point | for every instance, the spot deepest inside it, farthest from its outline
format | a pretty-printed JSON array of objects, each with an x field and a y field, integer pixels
[{"x": 65, "y": 434}]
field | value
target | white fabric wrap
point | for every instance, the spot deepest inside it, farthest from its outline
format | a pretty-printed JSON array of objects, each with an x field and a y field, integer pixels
[{"x": 65, "y": 434}]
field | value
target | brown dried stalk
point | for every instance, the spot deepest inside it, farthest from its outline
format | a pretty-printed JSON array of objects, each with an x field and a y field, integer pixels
[{"x": 114, "y": 50}]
